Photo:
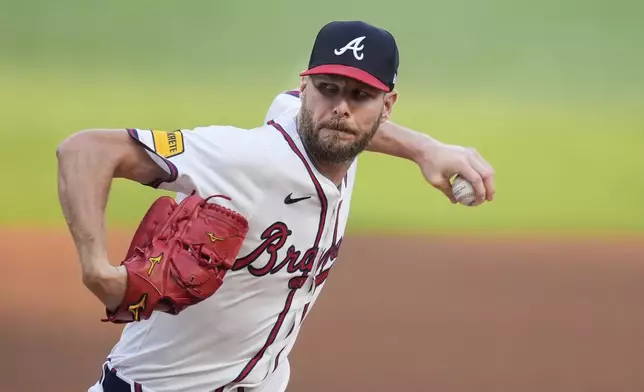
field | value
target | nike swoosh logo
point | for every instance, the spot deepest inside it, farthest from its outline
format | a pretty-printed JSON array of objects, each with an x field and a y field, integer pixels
[{"x": 290, "y": 200}]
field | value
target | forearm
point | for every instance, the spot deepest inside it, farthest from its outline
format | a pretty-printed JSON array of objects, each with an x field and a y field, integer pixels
[
  {"x": 396, "y": 140},
  {"x": 85, "y": 173},
  {"x": 87, "y": 164}
]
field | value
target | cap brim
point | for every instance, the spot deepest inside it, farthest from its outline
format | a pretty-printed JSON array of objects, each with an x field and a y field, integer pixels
[{"x": 350, "y": 72}]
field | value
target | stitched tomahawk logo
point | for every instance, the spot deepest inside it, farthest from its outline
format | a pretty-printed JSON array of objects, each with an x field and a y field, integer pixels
[{"x": 353, "y": 46}]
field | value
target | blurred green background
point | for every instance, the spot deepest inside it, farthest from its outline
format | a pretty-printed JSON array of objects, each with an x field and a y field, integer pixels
[{"x": 550, "y": 92}]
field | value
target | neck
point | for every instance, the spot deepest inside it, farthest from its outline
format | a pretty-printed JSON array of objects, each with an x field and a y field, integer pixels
[{"x": 333, "y": 171}]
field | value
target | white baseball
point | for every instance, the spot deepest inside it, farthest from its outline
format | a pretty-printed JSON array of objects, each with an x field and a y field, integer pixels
[{"x": 463, "y": 191}]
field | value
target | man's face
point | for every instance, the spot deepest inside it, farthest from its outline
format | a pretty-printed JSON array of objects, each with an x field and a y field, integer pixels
[{"x": 339, "y": 116}]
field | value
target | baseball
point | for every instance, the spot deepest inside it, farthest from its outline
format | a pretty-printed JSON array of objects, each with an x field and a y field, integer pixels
[{"x": 463, "y": 191}]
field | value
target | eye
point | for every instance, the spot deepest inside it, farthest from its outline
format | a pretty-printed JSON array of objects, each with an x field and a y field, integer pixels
[
  {"x": 329, "y": 90},
  {"x": 328, "y": 87},
  {"x": 361, "y": 95}
]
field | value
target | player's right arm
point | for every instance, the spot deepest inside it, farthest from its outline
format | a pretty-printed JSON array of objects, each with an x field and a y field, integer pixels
[
  {"x": 220, "y": 159},
  {"x": 87, "y": 163}
]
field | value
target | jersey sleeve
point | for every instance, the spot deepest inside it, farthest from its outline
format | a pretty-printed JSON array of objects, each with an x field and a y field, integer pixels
[
  {"x": 289, "y": 100},
  {"x": 210, "y": 160}
]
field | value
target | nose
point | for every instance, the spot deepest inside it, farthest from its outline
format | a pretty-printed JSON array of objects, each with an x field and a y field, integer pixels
[{"x": 341, "y": 109}]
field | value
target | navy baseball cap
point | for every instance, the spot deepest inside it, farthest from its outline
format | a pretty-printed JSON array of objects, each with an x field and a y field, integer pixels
[{"x": 357, "y": 50}]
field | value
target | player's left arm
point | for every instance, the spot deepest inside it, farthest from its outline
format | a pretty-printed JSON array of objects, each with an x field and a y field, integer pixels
[{"x": 438, "y": 161}]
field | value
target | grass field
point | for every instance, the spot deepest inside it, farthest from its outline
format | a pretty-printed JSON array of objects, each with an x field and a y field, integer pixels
[{"x": 550, "y": 95}]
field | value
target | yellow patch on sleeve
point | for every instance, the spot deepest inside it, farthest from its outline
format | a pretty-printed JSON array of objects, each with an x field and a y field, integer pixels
[{"x": 168, "y": 144}]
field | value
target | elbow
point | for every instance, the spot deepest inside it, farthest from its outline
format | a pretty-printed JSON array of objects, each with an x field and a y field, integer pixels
[{"x": 77, "y": 142}]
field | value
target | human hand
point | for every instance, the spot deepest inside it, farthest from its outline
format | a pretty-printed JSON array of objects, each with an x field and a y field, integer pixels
[{"x": 439, "y": 162}]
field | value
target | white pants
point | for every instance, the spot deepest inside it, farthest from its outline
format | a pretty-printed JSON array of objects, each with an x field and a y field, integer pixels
[{"x": 276, "y": 382}]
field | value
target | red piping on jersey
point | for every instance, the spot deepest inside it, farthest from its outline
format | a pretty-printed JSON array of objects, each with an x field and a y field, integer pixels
[
  {"x": 289, "y": 299},
  {"x": 337, "y": 220}
]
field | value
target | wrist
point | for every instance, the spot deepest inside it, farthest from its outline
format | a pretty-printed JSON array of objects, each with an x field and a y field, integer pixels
[
  {"x": 421, "y": 150},
  {"x": 94, "y": 274},
  {"x": 93, "y": 259},
  {"x": 108, "y": 283}
]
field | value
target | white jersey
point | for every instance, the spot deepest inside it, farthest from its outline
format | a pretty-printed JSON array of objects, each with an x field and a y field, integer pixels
[{"x": 297, "y": 219}]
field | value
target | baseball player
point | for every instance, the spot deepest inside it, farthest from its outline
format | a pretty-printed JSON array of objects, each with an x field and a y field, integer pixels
[{"x": 286, "y": 189}]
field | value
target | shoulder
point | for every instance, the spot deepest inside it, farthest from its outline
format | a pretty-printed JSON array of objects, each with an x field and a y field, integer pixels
[
  {"x": 242, "y": 143},
  {"x": 264, "y": 148},
  {"x": 211, "y": 145},
  {"x": 292, "y": 93},
  {"x": 230, "y": 138},
  {"x": 282, "y": 103}
]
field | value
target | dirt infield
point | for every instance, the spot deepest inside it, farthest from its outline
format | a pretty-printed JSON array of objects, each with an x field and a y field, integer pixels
[{"x": 419, "y": 314}]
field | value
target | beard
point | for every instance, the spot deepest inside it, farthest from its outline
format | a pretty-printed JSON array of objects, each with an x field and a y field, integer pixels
[{"x": 332, "y": 149}]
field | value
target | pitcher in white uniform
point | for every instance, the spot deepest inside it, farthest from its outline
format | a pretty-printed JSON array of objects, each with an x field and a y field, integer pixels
[{"x": 292, "y": 178}]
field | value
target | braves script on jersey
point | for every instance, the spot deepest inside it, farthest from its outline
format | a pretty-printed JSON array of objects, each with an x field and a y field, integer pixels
[{"x": 242, "y": 335}]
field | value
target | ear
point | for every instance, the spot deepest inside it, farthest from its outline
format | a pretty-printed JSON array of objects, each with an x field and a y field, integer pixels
[
  {"x": 390, "y": 100},
  {"x": 303, "y": 83}
]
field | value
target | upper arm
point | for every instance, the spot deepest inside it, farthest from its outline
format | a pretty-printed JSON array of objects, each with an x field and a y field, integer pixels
[{"x": 113, "y": 149}]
